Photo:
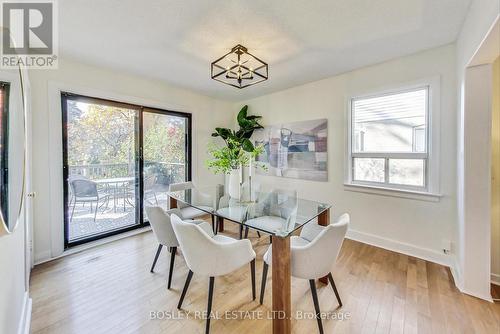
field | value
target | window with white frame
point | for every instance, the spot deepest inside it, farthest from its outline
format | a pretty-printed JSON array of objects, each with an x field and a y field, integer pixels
[{"x": 389, "y": 140}]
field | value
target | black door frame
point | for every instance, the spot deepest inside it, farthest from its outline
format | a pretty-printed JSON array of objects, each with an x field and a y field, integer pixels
[{"x": 139, "y": 173}]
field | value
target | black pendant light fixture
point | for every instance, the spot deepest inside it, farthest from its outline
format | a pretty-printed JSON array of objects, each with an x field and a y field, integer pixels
[{"x": 239, "y": 68}]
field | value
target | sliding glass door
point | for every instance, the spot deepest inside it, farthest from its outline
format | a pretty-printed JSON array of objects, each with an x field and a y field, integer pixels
[
  {"x": 165, "y": 153},
  {"x": 118, "y": 157}
]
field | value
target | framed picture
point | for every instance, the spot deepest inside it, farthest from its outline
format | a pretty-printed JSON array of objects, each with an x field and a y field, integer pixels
[{"x": 295, "y": 150}]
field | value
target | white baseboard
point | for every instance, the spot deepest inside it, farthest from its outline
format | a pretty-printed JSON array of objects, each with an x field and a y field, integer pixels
[
  {"x": 486, "y": 297},
  {"x": 41, "y": 257},
  {"x": 25, "y": 321},
  {"x": 495, "y": 279},
  {"x": 421, "y": 253},
  {"x": 457, "y": 275},
  {"x": 46, "y": 258},
  {"x": 401, "y": 247}
]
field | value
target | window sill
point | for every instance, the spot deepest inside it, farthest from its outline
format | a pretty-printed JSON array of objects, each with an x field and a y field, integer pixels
[{"x": 410, "y": 194}]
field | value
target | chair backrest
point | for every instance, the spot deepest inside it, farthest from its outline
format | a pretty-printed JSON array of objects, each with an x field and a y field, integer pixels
[
  {"x": 200, "y": 251},
  {"x": 287, "y": 201},
  {"x": 317, "y": 258},
  {"x": 76, "y": 177},
  {"x": 178, "y": 187},
  {"x": 150, "y": 182},
  {"x": 83, "y": 188},
  {"x": 284, "y": 203},
  {"x": 276, "y": 203},
  {"x": 162, "y": 226}
]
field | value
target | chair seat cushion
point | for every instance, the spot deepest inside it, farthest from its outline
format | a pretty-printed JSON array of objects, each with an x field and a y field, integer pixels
[
  {"x": 267, "y": 223},
  {"x": 234, "y": 213},
  {"x": 189, "y": 212},
  {"x": 295, "y": 241}
]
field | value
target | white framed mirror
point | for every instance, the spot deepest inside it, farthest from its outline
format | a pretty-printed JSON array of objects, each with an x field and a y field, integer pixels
[{"x": 12, "y": 148}]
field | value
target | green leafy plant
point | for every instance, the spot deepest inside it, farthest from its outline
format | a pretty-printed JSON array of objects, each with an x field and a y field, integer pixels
[{"x": 238, "y": 149}]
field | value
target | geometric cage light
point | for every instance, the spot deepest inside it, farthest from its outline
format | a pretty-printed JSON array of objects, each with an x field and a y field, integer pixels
[{"x": 239, "y": 68}]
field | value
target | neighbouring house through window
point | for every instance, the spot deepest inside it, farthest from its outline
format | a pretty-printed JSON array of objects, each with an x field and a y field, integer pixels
[{"x": 390, "y": 140}]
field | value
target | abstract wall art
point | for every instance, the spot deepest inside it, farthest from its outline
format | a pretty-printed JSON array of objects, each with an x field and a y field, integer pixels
[{"x": 295, "y": 150}]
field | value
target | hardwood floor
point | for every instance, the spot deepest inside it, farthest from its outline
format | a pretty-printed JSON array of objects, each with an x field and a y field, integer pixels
[{"x": 109, "y": 289}]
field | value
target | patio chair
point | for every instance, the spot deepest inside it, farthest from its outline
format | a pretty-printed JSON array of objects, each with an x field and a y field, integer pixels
[
  {"x": 85, "y": 191},
  {"x": 149, "y": 187},
  {"x": 71, "y": 178}
]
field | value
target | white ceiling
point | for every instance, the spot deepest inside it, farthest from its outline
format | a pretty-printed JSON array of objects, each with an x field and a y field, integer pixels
[{"x": 176, "y": 40}]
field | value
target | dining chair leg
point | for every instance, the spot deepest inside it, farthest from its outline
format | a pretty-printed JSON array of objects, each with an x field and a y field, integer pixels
[
  {"x": 246, "y": 232},
  {"x": 158, "y": 251},
  {"x": 72, "y": 211},
  {"x": 213, "y": 224},
  {"x": 241, "y": 232},
  {"x": 102, "y": 204},
  {"x": 173, "y": 251},
  {"x": 258, "y": 234},
  {"x": 107, "y": 202},
  {"x": 186, "y": 286},
  {"x": 314, "y": 293},
  {"x": 209, "y": 307},
  {"x": 334, "y": 287},
  {"x": 263, "y": 283},
  {"x": 95, "y": 213},
  {"x": 252, "y": 270}
]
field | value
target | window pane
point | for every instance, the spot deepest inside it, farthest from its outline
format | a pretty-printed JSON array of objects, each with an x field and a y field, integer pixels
[
  {"x": 102, "y": 165},
  {"x": 388, "y": 122},
  {"x": 368, "y": 169},
  {"x": 164, "y": 150},
  {"x": 419, "y": 140},
  {"x": 407, "y": 172}
]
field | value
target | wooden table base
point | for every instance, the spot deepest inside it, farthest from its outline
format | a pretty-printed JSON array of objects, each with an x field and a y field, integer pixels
[
  {"x": 220, "y": 223},
  {"x": 172, "y": 203},
  {"x": 282, "y": 286}
]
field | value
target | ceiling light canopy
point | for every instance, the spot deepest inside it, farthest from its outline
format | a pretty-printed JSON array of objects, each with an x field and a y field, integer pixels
[{"x": 239, "y": 68}]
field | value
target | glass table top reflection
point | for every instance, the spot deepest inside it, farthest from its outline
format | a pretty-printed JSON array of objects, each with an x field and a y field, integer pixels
[{"x": 277, "y": 212}]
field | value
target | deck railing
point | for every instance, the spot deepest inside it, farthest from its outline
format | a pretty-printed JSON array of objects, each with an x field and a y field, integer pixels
[{"x": 166, "y": 172}]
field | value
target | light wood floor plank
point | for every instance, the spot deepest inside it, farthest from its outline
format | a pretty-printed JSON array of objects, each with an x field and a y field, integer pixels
[{"x": 109, "y": 289}]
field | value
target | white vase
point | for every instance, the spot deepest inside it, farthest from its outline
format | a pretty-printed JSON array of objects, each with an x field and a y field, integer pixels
[{"x": 234, "y": 183}]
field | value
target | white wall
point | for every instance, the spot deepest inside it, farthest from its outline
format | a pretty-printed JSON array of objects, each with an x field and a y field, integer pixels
[
  {"x": 480, "y": 18},
  {"x": 477, "y": 182},
  {"x": 495, "y": 170},
  {"x": 407, "y": 225},
  {"x": 14, "y": 301},
  {"x": 90, "y": 80},
  {"x": 12, "y": 279}
]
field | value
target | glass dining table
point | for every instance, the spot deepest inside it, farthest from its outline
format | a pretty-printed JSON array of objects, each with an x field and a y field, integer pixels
[{"x": 278, "y": 213}]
